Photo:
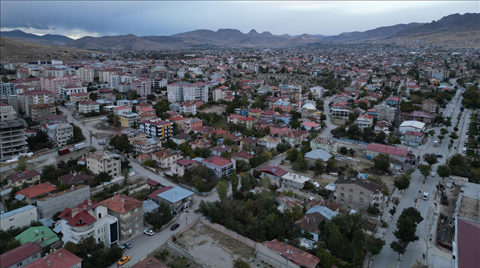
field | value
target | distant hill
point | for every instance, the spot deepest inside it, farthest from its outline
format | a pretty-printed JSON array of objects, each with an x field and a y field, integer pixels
[
  {"x": 19, "y": 51},
  {"x": 456, "y": 28}
]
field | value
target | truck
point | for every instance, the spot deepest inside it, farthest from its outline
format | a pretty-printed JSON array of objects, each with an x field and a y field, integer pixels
[
  {"x": 79, "y": 146},
  {"x": 435, "y": 143},
  {"x": 63, "y": 151}
]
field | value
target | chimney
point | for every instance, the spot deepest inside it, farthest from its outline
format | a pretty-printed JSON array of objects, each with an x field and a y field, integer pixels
[
  {"x": 48, "y": 263},
  {"x": 59, "y": 255}
]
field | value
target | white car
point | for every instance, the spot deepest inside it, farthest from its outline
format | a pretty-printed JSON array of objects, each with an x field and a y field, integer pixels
[
  {"x": 425, "y": 196},
  {"x": 432, "y": 174},
  {"x": 149, "y": 232}
]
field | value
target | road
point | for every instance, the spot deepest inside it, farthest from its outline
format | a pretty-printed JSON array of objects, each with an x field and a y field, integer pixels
[
  {"x": 428, "y": 209},
  {"x": 328, "y": 125}
]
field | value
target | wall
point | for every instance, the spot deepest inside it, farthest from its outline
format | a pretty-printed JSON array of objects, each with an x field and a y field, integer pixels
[
  {"x": 51, "y": 205},
  {"x": 273, "y": 258},
  {"x": 232, "y": 234},
  {"x": 20, "y": 219}
]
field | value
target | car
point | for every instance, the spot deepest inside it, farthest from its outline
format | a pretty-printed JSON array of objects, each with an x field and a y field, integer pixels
[
  {"x": 433, "y": 174},
  {"x": 123, "y": 260},
  {"x": 464, "y": 150},
  {"x": 439, "y": 156},
  {"x": 174, "y": 227},
  {"x": 127, "y": 245},
  {"x": 425, "y": 196},
  {"x": 148, "y": 232}
]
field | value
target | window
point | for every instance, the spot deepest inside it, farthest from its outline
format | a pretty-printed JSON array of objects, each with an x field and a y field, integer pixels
[
  {"x": 342, "y": 188},
  {"x": 361, "y": 200},
  {"x": 350, "y": 197},
  {"x": 351, "y": 190},
  {"x": 342, "y": 194},
  {"x": 361, "y": 193}
]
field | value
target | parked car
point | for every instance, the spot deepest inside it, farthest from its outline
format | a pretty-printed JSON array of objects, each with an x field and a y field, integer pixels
[
  {"x": 174, "y": 227},
  {"x": 123, "y": 260},
  {"x": 127, "y": 245},
  {"x": 148, "y": 232},
  {"x": 439, "y": 156},
  {"x": 425, "y": 196}
]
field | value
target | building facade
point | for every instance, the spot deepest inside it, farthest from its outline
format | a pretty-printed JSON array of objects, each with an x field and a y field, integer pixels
[
  {"x": 104, "y": 161},
  {"x": 156, "y": 127}
]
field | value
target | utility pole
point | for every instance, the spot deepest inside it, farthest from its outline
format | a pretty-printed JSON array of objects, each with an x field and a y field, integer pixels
[{"x": 91, "y": 134}]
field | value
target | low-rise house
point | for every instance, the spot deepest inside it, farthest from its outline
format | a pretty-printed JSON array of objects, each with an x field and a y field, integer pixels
[
  {"x": 89, "y": 218},
  {"x": 154, "y": 196},
  {"x": 220, "y": 165},
  {"x": 27, "y": 177},
  {"x": 122, "y": 110},
  {"x": 392, "y": 101},
  {"x": 355, "y": 193},
  {"x": 219, "y": 149},
  {"x": 270, "y": 142},
  {"x": 294, "y": 180},
  {"x": 311, "y": 125},
  {"x": 179, "y": 167},
  {"x": 177, "y": 198},
  {"x": 374, "y": 149},
  {"x": 146, "y": 146},
  {"x": 248, "y": 142},
  {"x": 274, "y": 173},
  {"x": 203, "y": 130},
  {"x": 61, "y": 258},
  {"x": 129, "y": 212},
  {"x": 19, "y": 217},
  {"x": 243, "y": 155},
  {"x": 294, "y": 137},
  {"x": 49, "y": 205},
  {"x": 42, "y": 235},
  {"x": 414, "y": 126},
  {"x": 166, "y": 158},
  {"x": 75, "y": 178},
  {"x": 284, "y": 106},
  {"x": 104, "y": 161},
  {"x": 415, "y": 139},
  {"x": 21, "y": 256},
  {"x": 85, "y": 107},
  {"x": 312, "y": 219},
  {"x": 424, "y": 117},
  {"x": 180, "y": 138},
  {"x": 317, "y": 154},
  {"x": 200, "y": 143},
  {"x": 279, "y": 129},
  {"x": 364, "y": 121},
  {"x": 33, "y": 192},
  {"x": 325, "y": 144},
  {"x": 383, "y": 126},
  {"x": 191, "y": 123},
  {"x": 288, "y": 256},
  {"x": 287, "y": 202}
]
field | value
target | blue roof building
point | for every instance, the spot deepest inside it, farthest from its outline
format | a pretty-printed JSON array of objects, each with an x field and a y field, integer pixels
[{"x": 177, "y": 197}]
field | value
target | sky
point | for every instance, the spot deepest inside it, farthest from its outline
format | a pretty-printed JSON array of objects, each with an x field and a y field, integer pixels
[{"x": 77, "y": 19}]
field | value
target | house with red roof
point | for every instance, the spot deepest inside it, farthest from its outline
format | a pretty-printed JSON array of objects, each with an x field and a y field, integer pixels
[
  {"x": 179, "y": 167},
  {"x": 88, "y": 218},
  {"x": 203, "y": 129},
  {"x": 154, "y": 196},
  {"x": 166, "y": 158},
  {"x": 129, "y": 212},
  {"x": 19, "y": 256},
  {"x": 279, "y": 129},
  {"x": 28, "y": 177},
  {"x": 201, "y": 143},
  {"x": 61, "y": 258},
  {"x": 311, "y": 125},
  {"x": 273, "y": 173},
  {"x": 220, "y": 165},
  {"x": 374, "y": 149},
  {"x": 33, "y": 192},
  {"x": 466, "y": 250},
  {"x": 364, "y": 121},
  {"x": 287, "y": 255},
  {"x": 219, "y": 149},
  {"x": 243, "y": 155}
]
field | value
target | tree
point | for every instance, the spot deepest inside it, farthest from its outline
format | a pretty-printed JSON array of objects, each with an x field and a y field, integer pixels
[
  {"x": 431, "y": 159},
  {"x": 406, "y": 229},
  {"x": 344, "y": 150},
  {"x": 238, "y": 263},
  {"x": 380, "y": 138},
  {"x": 402, "y": 182},
  {"x": 22, "y": 164},
  {"x": 425, "y": 170},
  {"x": 77, "y": 134},
  {"x": 301, "y": 164},
  {"x": 149, "y": 163},
  {"x": 121, "y": 143},
  {"x": 5, "y": 78},
  {"x": 382, "y": 162},
  {"x": 222, "y": 189},
  {"x": 443, "y": 131},
  {"x": 453, "y": 135},
  {"x": 373, "y": 244},
  {"x": 331, "y": 165},
  {"x": 319, "y": 168},
  {"x": 234, "y": 181},
  {"x": 444, "y": 171}
]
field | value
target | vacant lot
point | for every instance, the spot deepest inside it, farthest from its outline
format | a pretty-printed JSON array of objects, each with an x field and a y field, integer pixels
[
  {"x": 214, "y": 109},
  {"x": 214, "y": 249}
]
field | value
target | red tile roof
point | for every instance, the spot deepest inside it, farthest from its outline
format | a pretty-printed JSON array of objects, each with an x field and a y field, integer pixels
[
  {"x": 61, "y": 258},
  {"x": 218, "y": 161},
  {"x": 159, "y": 191},
  {"x": 385, "y": 149},
  {"x": 292, "y": 253},
  {"x": 121, "y": 203},
  {"x": 27, "y": 174},
  {"x": 19, "y": 253},
  {"x": 185, "y": 162},
  {"x": 37, "y": 190},
  {"x": 150, "y": 263},
  {"x": 273, "y": 170},
  {"x": 468, "y": 238}
]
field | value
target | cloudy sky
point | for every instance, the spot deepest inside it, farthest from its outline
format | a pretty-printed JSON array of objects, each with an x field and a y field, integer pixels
[{"x": 94, "y": 18}]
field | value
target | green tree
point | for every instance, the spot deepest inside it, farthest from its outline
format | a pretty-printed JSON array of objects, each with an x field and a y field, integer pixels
[
  {"x": 453, "y": 135},
  {"x": 234, "y": 181},
  {"x": 380, "y": 138},
  {"x": 373, "y": 244},
  {"x": 121, "y": 143},
  {"x": 406, "y": 229},
  {"x": 319, "y": 168},
  {"x": 343, "y": 150},
  {"x": 77, "y": 134},
  {"x": 425, "y": 170},
  {"x": 382, "y": 162},
  {"x": 331, "y": 165},
  {"x": 5, "y": 78},
  {"x": 22, "y": 164},
  {"x": 301, "y": 164},
  {"x": 402, "y": 182},
  {"x": 222, "y": 189},
  {"x": 444, "y": 171},
  {"x": 238, "y": 263},
  {"x": 431, "y": 159}
]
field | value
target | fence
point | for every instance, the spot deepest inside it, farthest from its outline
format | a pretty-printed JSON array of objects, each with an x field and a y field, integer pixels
[
  {"x": 230, "y": 233},
  {"x": 193, "y": 189}
]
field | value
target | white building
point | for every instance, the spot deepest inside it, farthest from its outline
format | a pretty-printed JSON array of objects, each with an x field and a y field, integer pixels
[
  {"x": 317, "y": 91},
  {"x": 414, "y": 126},
  {"x": 89, "y": 219},
  {"x": 294, "y": 180},
  {"x": 19, "y": 217},
  {"x": 104, "y": 161},
  {"x": 59, "y": 133},
  {"x": 184, "y": 91},
  {"x": 85, "y": 107}
]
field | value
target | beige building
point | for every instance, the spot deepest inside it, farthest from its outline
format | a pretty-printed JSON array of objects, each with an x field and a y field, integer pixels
[
  {"x": 166, "y": 158},
  {"x": 354, "y": 193},
  {"x": 104, "y": 161},
  {"x": 128, "y": 211},
  {"x": 28, "y": 177},
  {"x": 60, "y": 134}
]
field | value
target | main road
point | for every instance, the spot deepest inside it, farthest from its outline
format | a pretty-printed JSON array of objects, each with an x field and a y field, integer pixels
[{"x": 428, "y": 208}]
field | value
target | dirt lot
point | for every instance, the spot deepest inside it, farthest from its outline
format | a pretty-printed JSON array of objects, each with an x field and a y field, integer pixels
[
  {"x": 337, "y": 121},
  {"x": 214, "y": 109},
  {"x": 214, "y": 249}
]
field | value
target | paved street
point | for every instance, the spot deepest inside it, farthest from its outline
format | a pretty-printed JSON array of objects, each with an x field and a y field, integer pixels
[{"x": 428, "y": 210}]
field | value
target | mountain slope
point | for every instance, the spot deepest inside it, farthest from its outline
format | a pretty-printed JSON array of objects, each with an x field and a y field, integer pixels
[
  {"x": 377, "y": 33},
  {"x": 48, "y": 39}
]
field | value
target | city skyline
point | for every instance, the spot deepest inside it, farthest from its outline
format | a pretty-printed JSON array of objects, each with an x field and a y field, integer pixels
[{"x": 79, "y": 19}]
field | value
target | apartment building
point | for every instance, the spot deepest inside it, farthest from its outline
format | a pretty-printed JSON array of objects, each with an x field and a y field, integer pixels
[
  {"x": 184, "y": 91},
  {"x": 6, "y": 89},
  {"x": 128, "y": 211},
  {"x": 89, "y": 218},
  {"x": 55, "y": 84},
  {"x": 26, "y": 177},
  {"x": 85, "y": 107},
  {"x": 166, "y": 158},
  {"x": 146, "y": 146},
  {"x": 156, "y": 127},
  {"x": 41, "y": 110},
  {"x": 364, "y": 121},
  {"x": 87, "y": 74},
  {"x": 191, "y": 123},
  {"x": 355, "y": 193},
  {"x": 78, "y": 97},
  {"x": 104, "y": 161},
  {"x": 59, "y": 133},
  {"x": 429, "y": 105},
  {"x": 128, "y": 120},
  {"x": 35, "y": 97},
  {"x": 220, "y": 165},
  {"x": 67, "y": 91},
  {"x": 293, "y": 180},
  {"x": 143, "y": 86},
  {"x": 13, "y": 140}
]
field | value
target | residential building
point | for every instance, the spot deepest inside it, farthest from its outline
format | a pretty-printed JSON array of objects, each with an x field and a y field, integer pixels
[
  {"x": 146, "y": 146},
  {"x": 104, "y": 161},
  {"x": 383, "y": 126},
  {"x": 220, "y": 165},
  {"x": 311, "y": 125},
  {"x": 42, "y": 235},
  {"x": 89, "y": 218},
  {"x": 12, "y": 133},
  {"x": 429, "y": 105},
  {"x": 156, "y": 127},
  {"x": 340, "y": 112},
  {"x": 294, "y": 137},
  {"x": 188, "y": 107},
  {"x": 274, "y": 173},
  {"x": 143, "y": 86},
  {"x": 219, "y": 149},
  {"x": 191, "y": 123},
  {"x": 27, "y": 177},
  {"x": 35, "y": 97},
  {"x": 466, "y": 253},
  {"x": 184, "y": 91},
  {"x": 55, "y": 84},
  {"x": 374, "y": 149},
  {"x": 61, "y": 258},
  {"x": 312, "y": 219},
  {"x": 166, "y": 158},
  {"x": 293, "y": 180},
  {"x": 364, "y": 121},
  {"x": 129, "y": 212},
  {"x": 180, "y": 138},
  {"x": 414, "y": 126},
  {"x": 270, "y": 142},
  {"x": 67, "y": 92},
  {"x": 287, "y": 256},
  {"x": 78, "y": 97},
  {"x": 358, "y": 193},
  {"x": 325, "y": 144},
  {"x": 7, "y": 89},
  {"x": 284, "y": 106},
  {"x": 57, "y": 202},
  {"x": 33, "y": 192},
  {"x": 128, "y": 120},
  {"x": 121, "y": 110},
  {"x": 18, "y": 218},
  {"x": 318, "y": 154},
  {"x": 21, "y": 256},
  {"x": 59, "y": 133},
  {"x": 41, "y": 110},
  {"x": 177, "y": 198},
  {"x": 85, "y": 107},
  {"x": 317, "y": 91},
  {"x": 415, "y": 139},
  {"x": 178, "y": 168},
  {"x": 75, "y": 178}
]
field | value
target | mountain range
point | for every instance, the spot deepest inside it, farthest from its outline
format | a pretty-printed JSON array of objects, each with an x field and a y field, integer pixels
[{"x": 455, "y": 28}]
